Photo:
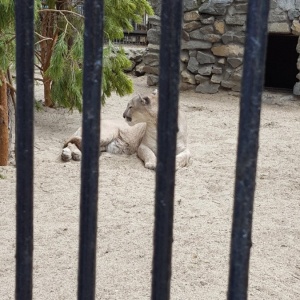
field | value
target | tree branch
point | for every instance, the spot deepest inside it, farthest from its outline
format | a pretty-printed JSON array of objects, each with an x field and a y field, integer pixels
[
  {"x": 12, "y": 88},
  {"x": 38, "y": 79},
  {"x": 37, "y": 66},
  {"x": 61, "y": 11},
  {"x": 42, "y": 37},
  {"x": 38, "y": 56}
]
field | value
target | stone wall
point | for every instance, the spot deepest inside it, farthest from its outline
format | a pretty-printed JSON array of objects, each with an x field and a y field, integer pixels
[{"x": 213, "y": 36}]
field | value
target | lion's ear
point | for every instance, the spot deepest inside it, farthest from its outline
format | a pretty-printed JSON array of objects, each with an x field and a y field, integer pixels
[{"x": 145, "y": 100}]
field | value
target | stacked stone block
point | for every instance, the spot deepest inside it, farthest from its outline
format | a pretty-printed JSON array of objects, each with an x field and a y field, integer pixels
[{"x": 213, "y": 37}]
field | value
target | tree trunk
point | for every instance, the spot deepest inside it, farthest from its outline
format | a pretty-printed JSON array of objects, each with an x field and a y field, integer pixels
[
  {"x": 63, "y": 4},
  {"x": 47, "y": 92},
  {"x": 11, "y": 123},
  {"x": 4, "y": 134},
  {"x": 47, "y": 47},
  {"x": 11, "y": 103}
]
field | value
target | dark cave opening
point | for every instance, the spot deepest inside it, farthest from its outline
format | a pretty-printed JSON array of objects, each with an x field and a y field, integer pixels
[{"x": 281, "y": 61}]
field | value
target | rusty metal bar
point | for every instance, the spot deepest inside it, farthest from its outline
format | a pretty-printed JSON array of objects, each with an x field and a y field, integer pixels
[
  {"x": 171, "y": 16},
  {"x": 250, "y": 106},
  {"x": 93, "y": 51},
  {"x": 24, "y": 16}
]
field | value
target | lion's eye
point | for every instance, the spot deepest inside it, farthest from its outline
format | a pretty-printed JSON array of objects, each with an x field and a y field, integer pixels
[{"x": 130, "y": 107}]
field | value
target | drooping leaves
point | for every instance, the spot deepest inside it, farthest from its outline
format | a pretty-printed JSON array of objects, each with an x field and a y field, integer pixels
[
  {"x": 66, "y": 48},
  {"x": 114, "y": 78}
]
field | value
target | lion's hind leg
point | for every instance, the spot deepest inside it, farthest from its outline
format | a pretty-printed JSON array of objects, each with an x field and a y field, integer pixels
[
  {"x": 182, "y": 159},
  {"x": 66, "y": 154},
  {"x": 111, "y": 140},
  {"x": 71, "y": 151}
]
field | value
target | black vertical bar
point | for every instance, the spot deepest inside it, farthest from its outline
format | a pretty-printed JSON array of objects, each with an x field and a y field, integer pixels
[
  {"x": 24, "y": 14},
  {"x": 250, "y": 106},
  {"x": 171, "y": 16},
  {"x": 93, "y": 50}
]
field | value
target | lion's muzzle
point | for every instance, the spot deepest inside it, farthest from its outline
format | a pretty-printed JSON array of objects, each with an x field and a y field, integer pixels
[{"x": 128, "y": 119}]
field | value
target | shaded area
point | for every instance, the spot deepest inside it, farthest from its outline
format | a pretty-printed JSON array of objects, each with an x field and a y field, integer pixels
[{"x": 281, "y": 61}]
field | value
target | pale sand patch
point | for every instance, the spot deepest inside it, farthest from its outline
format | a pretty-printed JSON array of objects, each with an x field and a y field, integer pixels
[{"x": 203, "y": 208}]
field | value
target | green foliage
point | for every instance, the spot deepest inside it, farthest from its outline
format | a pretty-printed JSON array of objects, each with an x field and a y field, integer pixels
[
  {"x": 77, "y": 48},
  {"x": 72, "y": 96},
  {"x": 38, "y": 105},
  {"x": 120, "y": 13},
  {"x": 66, "y": 62},
  {"x": 114, "y": 79},
  {"x": 37, "y": 7},
  {"x": 7, "y": 50},
  {"x": 50, "y": 3},
  {"x": 58, "y": 59},
  {"x": 65, "y": 70},
  {"x": 7, "y": 34},
  {"x": 6, "y": 14}
]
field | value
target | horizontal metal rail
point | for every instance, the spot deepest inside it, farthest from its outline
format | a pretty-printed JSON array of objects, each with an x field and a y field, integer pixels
[{"x": 250, "y": 106}]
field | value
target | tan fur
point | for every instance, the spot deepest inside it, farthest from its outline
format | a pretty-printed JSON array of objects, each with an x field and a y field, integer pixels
[
  {"x": 137, "y": 135},
  {"x": 116, "y": 137},
  {"x": 145, "y": 110}
]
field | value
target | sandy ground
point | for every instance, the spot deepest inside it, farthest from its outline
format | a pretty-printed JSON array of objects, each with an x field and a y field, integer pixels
[{"x": 203, "y": 207}]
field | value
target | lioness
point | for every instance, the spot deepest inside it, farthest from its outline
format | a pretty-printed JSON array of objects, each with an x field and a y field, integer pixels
[
  {"x": 137, "y": 135},
  {"x": 145, "y": 110},
  {"x": 116, "y": 137}
]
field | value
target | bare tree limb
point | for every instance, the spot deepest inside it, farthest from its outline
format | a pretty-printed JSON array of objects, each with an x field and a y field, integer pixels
[
  {"x": 37, "y": 66},
  {"x": 61, "y": 11},
  {"x": 12, "y": 88}
]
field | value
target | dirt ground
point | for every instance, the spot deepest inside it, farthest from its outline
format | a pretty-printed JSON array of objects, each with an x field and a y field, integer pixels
[{"x": 203, "y": 207}]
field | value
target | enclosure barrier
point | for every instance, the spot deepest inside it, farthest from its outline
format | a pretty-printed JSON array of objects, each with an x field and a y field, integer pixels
[
  {"x": 24, "y": 147},
  {"x": 167, "y": 122},
  {"x": 92, "y": 74},
  {"x": 250, "y": 105}
]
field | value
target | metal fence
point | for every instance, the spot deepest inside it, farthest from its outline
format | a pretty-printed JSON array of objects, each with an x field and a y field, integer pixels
[
  {"x": 138, "y": 36},
  {"x": 252, "y": 86}
]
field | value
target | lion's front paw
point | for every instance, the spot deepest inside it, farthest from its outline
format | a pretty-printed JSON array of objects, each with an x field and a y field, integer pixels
[
  {"x": 66, "y": 154},
  {"x": 150, "y": 165},
  {"x": 76, "y": 155}
]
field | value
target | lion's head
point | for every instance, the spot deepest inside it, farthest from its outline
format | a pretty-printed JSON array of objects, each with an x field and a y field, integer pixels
[{"x": 142, "y": 109}]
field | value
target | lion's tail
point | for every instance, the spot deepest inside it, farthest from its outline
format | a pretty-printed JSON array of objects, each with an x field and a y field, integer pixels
[{"x": 74, "y": 140}]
